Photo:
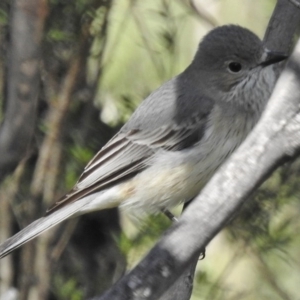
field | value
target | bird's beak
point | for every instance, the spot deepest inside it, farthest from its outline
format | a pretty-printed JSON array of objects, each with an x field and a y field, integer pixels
[{"x": 271, "y": 57}]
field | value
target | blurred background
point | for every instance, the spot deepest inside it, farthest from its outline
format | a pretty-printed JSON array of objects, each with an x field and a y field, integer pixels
[{"x": 98, "y": 59}]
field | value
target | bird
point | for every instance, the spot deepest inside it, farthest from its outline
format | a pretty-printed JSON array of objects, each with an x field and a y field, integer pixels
[{"x": 177, "y": 137}]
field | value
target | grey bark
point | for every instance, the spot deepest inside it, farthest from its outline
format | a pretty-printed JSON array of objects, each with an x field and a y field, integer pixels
[
  {"x": 274, "y": 140},
  {"x": 23, "y": 82},
  {"x": 21, "y": 97}
]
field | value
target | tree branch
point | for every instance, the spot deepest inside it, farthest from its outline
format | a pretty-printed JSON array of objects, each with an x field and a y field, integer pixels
[{"x": 23, "y": 82}]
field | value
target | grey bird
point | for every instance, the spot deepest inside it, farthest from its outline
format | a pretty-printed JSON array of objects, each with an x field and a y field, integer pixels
[{"x": 179, "y": 135}]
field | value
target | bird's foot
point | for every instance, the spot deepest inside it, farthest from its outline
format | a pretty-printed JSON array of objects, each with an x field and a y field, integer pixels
[
  {"x": 202, "y": 254},
  {"x": 169, "y": 215}
]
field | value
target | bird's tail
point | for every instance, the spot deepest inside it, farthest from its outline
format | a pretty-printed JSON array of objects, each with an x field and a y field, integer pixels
[{"x": 39, "y": 226}]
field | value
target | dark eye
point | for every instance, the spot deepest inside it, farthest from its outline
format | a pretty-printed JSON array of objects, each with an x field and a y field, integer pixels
[{"x": 234, "y": 67}]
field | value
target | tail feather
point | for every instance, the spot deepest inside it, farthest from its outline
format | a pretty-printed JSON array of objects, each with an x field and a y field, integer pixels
[{"x": 39, "y": 226}]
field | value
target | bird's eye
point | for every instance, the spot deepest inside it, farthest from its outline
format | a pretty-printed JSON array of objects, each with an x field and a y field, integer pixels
[{"x": 234, "y": 67}]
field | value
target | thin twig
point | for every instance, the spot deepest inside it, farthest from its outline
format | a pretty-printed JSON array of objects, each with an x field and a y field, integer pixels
[
  {"x": 268, "y": 274},
  {"x": 203, "y": 14},
  {"x": 63, "y": 241}
]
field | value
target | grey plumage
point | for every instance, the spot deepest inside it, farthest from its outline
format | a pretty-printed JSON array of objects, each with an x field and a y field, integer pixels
[{"x": 178, "y": 136}]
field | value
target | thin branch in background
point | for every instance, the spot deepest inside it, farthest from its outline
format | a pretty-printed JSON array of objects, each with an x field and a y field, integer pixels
[
  {"x": 201, "y": 13},
  {"x": 235, "y": 257},
  {"x": 23, "y": 82},
  {"x": 9, "y": 190},
  {"x": 54, "y": 123},
  {"x": 117, "y": 39},
  {"x": 171, "y": 34},
  {"x": 269, "y": 274},
  {"x": 43, "y": 265},
  {"x": 103, "y": 35},
  {"x": 63, "y": 241},
  {"x": 146, "y": 40}
]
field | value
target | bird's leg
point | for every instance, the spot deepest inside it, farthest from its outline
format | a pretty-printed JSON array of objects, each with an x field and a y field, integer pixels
[
  {"x": 169, "y": 215},
  {"x": 172, "y": 218},
  {"x": 202, "y": 254}
]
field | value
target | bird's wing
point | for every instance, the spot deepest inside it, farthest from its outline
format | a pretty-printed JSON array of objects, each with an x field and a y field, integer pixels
[
  {"x": 128, "y": 153},
  {"x": 123, "y": 156}
]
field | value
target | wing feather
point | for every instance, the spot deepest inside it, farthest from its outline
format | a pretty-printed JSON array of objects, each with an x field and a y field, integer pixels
[{"x": 128, "y": 153}]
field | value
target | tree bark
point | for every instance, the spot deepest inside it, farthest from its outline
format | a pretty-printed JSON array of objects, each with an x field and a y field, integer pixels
[{"x": 28, "y": 17}]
